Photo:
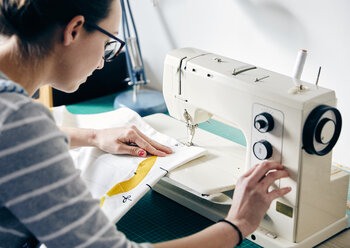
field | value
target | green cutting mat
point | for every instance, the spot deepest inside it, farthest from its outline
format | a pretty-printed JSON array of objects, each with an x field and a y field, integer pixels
[{"x": 156, "y": 218}]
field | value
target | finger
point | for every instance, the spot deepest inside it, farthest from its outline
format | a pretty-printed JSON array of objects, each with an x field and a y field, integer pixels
[
  {"x": 270, "y": 178},
  {"x": 276, "y": 193},
  {"x": 263, "y": 168},
  {"x": 154, "y": 143},
  {"x": 250, "y": 171},
  {"x": 143, "y": 144},
  {"x": 132, "y": 150}
]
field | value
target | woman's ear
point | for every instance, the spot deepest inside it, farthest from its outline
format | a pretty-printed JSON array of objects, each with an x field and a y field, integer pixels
[{"x": 73, "y": 30}]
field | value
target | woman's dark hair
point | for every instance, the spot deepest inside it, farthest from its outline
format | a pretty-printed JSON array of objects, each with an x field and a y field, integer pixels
[{"x": 34, "y": 22}]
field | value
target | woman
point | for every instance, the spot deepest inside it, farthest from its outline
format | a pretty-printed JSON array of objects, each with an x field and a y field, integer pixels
[{"x": 42, "y": 198}]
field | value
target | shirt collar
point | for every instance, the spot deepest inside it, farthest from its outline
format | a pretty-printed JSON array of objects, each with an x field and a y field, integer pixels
[{"x": 6, "y": 85}]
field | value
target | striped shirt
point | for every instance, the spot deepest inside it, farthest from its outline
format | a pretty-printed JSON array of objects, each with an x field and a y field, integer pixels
[{"x": 41, "y": 193}]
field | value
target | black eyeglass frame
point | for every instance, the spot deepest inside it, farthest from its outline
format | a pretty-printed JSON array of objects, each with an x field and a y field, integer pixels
[{"x": 111, "y": 36}]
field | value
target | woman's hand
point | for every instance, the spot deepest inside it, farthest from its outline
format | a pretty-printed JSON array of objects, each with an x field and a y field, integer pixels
[
  {"x": 128, "y": 140},
  {"x": 251, "y": 198}
]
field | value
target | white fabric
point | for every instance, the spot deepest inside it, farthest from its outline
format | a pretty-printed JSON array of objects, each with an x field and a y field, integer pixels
[{"x": 101, "y": 171}]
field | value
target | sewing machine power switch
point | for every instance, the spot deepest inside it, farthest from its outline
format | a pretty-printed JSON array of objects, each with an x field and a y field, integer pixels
[
  {"x": 264, "y": 122},
  {"x": 262, "y": 150}
]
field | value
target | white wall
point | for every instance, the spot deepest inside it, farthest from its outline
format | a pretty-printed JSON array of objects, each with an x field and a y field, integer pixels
[{"x": 266, "y": 33}]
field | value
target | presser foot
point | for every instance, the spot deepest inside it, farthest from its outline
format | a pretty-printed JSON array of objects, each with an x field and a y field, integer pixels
[
  {"x": 191, "y": 128},
  {"x": 191, "y": 131}
]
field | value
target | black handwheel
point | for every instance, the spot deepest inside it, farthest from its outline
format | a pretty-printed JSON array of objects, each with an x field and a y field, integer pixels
[{"x": 321, "y": 130}]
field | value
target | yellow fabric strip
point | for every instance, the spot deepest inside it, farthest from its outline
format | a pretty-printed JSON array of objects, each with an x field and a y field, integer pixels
[
  {"x": 102, "y": 200},
  {"x": 141, "y": 172}
]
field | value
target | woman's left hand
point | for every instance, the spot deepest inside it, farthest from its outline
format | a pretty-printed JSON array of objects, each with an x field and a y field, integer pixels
[{"x": 128, "y": 140}]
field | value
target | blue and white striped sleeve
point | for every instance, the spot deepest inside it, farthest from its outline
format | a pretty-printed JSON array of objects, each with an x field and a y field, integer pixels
[{"x": 41, "y": 188}]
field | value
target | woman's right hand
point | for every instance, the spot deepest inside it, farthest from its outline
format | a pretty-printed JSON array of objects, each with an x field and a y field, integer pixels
[{"x": 251, "y": 198}]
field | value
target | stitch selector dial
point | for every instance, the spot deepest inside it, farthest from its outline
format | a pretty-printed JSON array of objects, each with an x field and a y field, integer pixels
[
  {"x": 262, "y": 150},
  {"x": 264, "y": 122},
  {"x": 321, "y": 130}
]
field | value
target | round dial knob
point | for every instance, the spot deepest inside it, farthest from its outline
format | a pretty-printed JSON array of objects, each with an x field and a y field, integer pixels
[
  {"x": 262, "y": 150},
  {"x": 264, "y": 122},
  {"x": 325, "y": 131},
  {"x": 321, "y": 130}
]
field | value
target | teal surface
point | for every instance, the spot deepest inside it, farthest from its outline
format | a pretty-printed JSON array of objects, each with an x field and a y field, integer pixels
[
  {"x": 94, "y": 106},
  {"x": 156, "y": 218},
  {"x": 224, "y": 131}
]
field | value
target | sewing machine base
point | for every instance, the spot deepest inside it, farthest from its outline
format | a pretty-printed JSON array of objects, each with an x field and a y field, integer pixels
[
  {"x": 216, "y": 211},
  {"x": 224, "y": 158}
]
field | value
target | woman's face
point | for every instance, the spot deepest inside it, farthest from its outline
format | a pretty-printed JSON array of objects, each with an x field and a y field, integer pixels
[{"x": 76, "y": 62}]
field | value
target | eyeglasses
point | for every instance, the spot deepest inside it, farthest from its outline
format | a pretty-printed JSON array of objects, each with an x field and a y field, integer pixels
[{"x": 113, "y": 47}]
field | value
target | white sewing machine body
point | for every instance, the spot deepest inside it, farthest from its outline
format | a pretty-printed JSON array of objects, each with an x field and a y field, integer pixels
[{"x": 198, "y": 85}]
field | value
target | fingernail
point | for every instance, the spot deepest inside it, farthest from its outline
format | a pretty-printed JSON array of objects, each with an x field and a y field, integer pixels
[{"x": 142, "y": 153}]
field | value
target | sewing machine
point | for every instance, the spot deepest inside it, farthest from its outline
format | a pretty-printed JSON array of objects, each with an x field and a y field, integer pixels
[{"x": 282, "y": 119}]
